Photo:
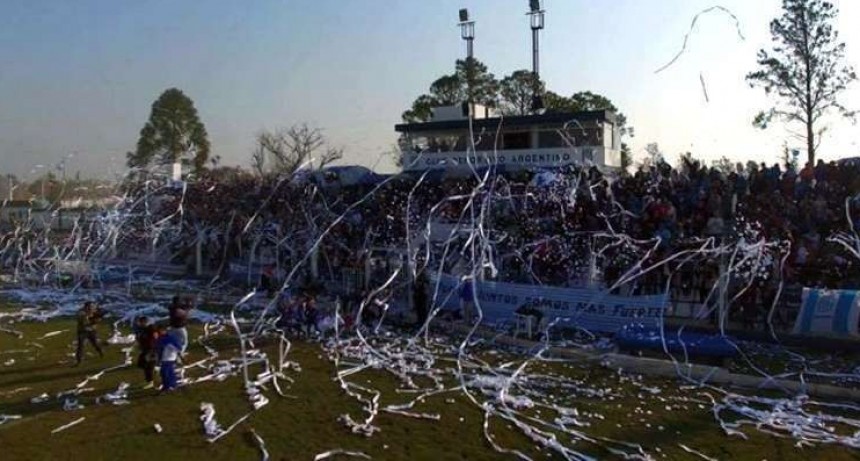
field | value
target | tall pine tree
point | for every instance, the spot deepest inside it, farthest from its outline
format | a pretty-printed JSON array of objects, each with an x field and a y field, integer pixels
[
  {"x": 805, "y": 69},
  {"x": 173, "y": 133}
]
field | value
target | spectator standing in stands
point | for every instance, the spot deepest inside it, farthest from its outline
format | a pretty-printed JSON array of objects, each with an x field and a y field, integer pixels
[
  {"x": 267, "y": 280},
  {"x": 292, "y": 315},
  {"x": 419, "y": 298},
  {"x": 467, "y": 299},
  {"x": 311, "y": 315}
]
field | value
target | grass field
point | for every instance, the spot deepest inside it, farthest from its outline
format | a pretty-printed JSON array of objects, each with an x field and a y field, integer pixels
[{"x": 301, "y": 427}]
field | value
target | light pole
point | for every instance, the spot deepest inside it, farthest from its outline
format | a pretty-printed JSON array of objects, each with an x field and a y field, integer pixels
[
  {"x": 467, "y": 32},
  {"x": 536, "y": 15}
]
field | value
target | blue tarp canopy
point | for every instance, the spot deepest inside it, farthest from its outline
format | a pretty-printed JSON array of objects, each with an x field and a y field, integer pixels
[{"x": 639, "y": 337}]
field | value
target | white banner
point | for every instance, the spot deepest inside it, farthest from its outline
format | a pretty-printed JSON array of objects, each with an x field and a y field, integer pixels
[
  {"x": 542, "y": 158},
  {"x": 590, "y": 309}
]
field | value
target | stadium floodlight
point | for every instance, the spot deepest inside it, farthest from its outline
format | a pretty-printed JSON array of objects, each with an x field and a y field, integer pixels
[
  {"x": 536, "y": 15},
  {"x": 464, "y": 15},
  {"x": 467, "y": 31}
]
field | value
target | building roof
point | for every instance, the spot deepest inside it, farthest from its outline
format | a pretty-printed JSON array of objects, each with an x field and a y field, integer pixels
[{"x": 512, "y": 121}]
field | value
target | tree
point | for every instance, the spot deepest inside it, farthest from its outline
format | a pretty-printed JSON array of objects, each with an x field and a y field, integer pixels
[
  {"x": 805, "y": 69},
  {"x": 173, "y": 133},
  {"x": 654, "y": 154},
  {"x": 580, "y": 101},
  {"x": 585, "y": 101},
  {"x": 479, "y": 85},
  {"x": 688, "y": 164},
  {"x": 724, "y": 165},
  {"x": 556, "y": 103},
  {"x": 285, "y": 151},
  {"x": 789, "y": 158},
  {"x": 471, "y": 80},
  {"x": 752, "y": 166},
  {"x": 258, "y": 158},
  {"x": 517, "y": 91},
  {"x": 448, "y": 90},
  {"x": 46, "y": 187},
  {"x": 626, "y": 157},
  {"x": 8, "y": 184},
  {"x": 421, "y": 110},
  {"x": 396, "y": 155}
]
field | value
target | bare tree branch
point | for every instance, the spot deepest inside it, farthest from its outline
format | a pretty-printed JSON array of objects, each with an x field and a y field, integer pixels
[{"x": 287, "y": 150}]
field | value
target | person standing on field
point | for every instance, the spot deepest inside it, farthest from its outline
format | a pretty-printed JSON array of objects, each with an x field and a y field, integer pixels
[
  {"x": 146, "y": 335},
  {"x": 88, "y": 317}
]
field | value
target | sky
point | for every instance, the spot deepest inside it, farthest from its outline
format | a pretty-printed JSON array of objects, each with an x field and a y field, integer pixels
[{"x": 77, "y": 79}]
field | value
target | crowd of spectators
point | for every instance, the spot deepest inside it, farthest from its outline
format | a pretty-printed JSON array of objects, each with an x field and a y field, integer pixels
[{"x": 573, "y": 226}]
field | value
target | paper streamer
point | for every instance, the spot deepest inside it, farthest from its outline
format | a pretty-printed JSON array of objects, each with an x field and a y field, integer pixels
[
  {"x": 340, "y": 452},
  {"x": 264, "y": 455},
  {"x": 66, "y": 426},
  {"x": 6, "y": 418}
]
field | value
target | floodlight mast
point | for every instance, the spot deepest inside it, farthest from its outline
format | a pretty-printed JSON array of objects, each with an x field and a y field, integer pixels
[
  {"x": 467, "y": 32},
  {"x": 536, "y": 15}
]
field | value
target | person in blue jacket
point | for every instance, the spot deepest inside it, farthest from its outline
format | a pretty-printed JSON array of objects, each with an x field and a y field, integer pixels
[{"x": 169, "y": 348}]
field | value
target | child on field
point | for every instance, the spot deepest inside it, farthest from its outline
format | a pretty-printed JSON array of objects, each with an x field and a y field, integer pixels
[
  {"x": 146, "y": 335},
  {"x": 169, "y": 349}
]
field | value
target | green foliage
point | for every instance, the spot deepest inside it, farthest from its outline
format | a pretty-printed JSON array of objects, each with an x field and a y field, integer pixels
[
  {"x": 517, "y": 91},
  {"x": 8, "y": 186},
  {"x": 513, "y": 95},
  {"x": 585, "y": 101},
  {"x": 173, "y": 133},
  {"x": 46, "y": 187},
  {"x": 654, "y": 154},
  {"x": 556, "y": 103},
  {"x": 478, "y": 84},
  {"x": 804, "y": 70},
  {"x": 789, "y": 158},
  {"x": 688, "y": 164},
  {"x": 421, "y": 109},
  {"x": 471, "y": 80},
  {"x": 581, "y": 101},
  {"x": 448, "y": 90},
  {"x": 724, "y": 165},
  {"x": 626, "y": 157}
]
